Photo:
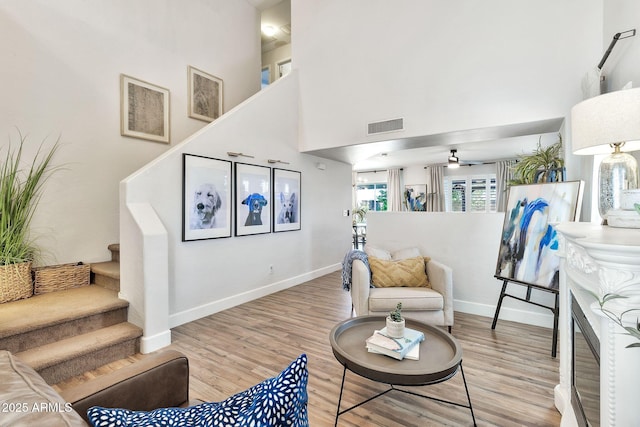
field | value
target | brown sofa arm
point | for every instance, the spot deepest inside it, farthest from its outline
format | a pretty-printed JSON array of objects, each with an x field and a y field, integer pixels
[{"x": 158, "y": 381}]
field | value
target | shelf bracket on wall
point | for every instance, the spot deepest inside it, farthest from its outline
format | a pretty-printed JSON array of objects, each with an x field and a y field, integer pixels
[{"x": 616, "y": 37}]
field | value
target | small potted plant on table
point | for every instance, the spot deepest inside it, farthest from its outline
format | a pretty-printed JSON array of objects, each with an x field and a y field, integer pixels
[{"x": 395, "y": 322}]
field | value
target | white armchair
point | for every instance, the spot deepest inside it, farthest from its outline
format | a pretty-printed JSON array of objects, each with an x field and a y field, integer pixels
[{"x": 432, "y": 305}]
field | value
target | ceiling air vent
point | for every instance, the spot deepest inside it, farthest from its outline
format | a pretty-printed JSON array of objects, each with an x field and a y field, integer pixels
[{"x": 385, "y": 126}]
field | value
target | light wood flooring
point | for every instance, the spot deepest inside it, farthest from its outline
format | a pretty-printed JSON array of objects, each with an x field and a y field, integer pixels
[{"x": 509, "y": 370}]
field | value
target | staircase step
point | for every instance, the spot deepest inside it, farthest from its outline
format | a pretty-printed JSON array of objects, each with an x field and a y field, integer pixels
[
  {"x": 106, "y": 274},
  {"x": 115, "y": 251},
  {"x": 107, "y": 268},
  {"x": 46, "y": 318},
  {"x": 66, "y": 358}
]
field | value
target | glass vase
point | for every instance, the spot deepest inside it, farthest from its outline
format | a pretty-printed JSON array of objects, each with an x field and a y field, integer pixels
[{"x": 618, "y": 172}]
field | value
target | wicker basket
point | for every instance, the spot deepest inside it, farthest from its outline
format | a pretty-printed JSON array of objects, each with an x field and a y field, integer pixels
[
  {"x": 15, "y": 282},
  {"x": 59, "y": 277}
]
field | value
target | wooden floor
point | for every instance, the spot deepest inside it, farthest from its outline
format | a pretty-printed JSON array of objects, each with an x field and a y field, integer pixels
[{"x": 509, "y": 371}]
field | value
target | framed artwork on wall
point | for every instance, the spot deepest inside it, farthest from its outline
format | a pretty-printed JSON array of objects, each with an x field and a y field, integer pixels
[
  {"x": 205, "y": 95},
  {"x": 206, "y": 198},
  {"x": 529, "y": 242},
  {"x": 415, "y": 197},
  {"x": 144, "y": 110},
  {"x": 252, "y": 199},
  {"x": 286, "y": 200}
]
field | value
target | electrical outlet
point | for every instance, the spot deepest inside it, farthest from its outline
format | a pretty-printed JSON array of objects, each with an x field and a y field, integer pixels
[
  {"x": 345, "y": 212},
  {"x": 271, "y": 269}
]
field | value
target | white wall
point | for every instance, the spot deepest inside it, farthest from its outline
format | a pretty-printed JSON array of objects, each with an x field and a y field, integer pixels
[
  {"x": 623, "y": 65},
  {"x": 198, "y": 278},
  {"x": 442, "y": 66},
  {"x": 60, "y": 72},
  {"x": 469, "y": 244}
]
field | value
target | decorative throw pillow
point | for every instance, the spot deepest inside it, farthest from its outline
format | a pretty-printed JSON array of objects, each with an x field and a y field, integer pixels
[
  {"x": 408, "y": 272},
  {"x": 405, "y": 253},
  {"x": 277, "y": 401},
  {"x": 377, "y": 252}
]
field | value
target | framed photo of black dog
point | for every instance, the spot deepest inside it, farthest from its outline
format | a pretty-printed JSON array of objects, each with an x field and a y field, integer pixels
[
  {"x": 286, "y": 200},
  {"x": 206, "y": 198},
  {"x": 252, "y": 199}
]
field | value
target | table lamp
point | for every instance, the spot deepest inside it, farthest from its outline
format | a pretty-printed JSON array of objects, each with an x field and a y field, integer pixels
[{"x": 606, "y": 123}]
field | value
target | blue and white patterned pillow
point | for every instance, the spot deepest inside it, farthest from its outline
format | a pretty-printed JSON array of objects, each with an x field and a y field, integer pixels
[{"x": 277, "y": 401}]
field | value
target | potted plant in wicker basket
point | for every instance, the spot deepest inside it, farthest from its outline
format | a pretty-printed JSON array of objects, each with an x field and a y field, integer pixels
[{"x": 20, "y": 190}]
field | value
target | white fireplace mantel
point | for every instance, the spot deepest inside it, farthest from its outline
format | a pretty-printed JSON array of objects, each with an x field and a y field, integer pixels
[{"x": 601, "y": 260}]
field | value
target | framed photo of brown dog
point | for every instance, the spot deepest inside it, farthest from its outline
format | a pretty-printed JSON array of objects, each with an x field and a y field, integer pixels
[
  {"x": 206, "y": 198},
  {"x": 252, "y": 199},
  {"x": 286, "y": 200}
]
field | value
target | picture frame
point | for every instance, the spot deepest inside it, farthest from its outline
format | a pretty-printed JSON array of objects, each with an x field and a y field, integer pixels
[
  {"x": 144, "y": 110},
  {"x": 529, "y": 243},
  {"x": 206, "y": 197},
  {"x": 205, "y": 95},
  {"x": 252, "y": 199},
  {"x": 287, "y": 191},
  {"x": 415, "y": 197}
]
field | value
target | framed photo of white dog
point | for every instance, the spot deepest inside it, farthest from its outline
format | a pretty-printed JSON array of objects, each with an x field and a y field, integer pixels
[
  {"x": 286, "y": 200},
  {"x": 206, "y": 198},
  {"x": 253, "y": 199}
]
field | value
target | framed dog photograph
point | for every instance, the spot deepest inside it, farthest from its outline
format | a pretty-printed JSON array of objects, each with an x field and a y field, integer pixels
[
  {"x": 205, "y": 95},
  {"x": 206, "y": 198},
  {"x": 144, "y": 110},
  {"x": 252, "y": 199},
  {"x": 286, "y": 200}
]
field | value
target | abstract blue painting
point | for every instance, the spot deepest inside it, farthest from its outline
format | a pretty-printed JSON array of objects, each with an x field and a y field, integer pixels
[{"x": 529, "y": 242}]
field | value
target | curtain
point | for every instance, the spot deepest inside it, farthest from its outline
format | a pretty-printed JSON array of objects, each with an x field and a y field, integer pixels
[
  {"x": 394, "y": 190},
  {"x": 504, "y": 173},
  {"x": 435, "y": 188}
]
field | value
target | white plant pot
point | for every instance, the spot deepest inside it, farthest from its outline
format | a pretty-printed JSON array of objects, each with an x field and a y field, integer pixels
[{"x": 395, "y": 329}]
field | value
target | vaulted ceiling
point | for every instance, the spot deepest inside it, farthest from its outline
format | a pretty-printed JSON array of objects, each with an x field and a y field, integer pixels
[{"x": 482, "y": 145}]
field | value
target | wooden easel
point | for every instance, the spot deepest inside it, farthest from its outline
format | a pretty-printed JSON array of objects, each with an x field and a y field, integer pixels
[{"x": 555, "y": 309}]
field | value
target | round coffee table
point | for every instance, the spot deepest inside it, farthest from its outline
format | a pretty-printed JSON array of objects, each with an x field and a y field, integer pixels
[{"x": 440, "y": 358}]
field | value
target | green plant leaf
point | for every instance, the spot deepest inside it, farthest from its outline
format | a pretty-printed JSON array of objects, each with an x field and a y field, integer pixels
[
  {"x": 20, "y": 192},
  {"x": 535, "y": 167},
  {"x": 609, "y": 297}
]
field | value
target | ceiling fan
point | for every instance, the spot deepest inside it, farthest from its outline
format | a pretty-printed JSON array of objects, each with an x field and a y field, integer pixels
[{"x": 454, "y": 161}]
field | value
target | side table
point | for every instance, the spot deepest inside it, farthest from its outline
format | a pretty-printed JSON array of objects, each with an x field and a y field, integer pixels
[{"x": 440, "y": 359}]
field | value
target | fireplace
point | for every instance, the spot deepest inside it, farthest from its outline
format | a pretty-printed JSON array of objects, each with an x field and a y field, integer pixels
[
  {"x": 585, "y": 368},
  {"x": 595, "y": 261}
]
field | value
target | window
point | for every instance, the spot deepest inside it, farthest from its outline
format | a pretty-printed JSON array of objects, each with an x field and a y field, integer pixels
[
  {"x": 266, "y": 76},
  {"x": 470, "y": 193},
  {"x": 372, "y": 196}
]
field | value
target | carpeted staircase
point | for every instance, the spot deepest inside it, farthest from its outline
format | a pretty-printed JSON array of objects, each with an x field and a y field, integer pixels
[{"x": 65, "y": 333}]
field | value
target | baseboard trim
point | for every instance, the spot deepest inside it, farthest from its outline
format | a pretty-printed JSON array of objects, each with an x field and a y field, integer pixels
[
  {"x": 155, "y": 342},
  {"x": 212, "y": 307},
  {"x": 514, "y": 315}
]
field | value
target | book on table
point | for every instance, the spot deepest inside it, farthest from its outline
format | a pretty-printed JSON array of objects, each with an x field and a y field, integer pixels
[
  {"x": 413, "y": 354},
  {"x": 398, "y": 348}
]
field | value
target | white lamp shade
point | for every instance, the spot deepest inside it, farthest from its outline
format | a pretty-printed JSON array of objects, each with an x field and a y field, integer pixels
[{"x": 606, "y": 119}]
